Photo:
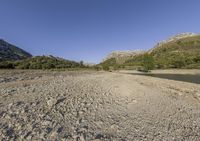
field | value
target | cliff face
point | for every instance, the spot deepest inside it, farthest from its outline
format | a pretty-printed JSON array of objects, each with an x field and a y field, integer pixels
[{"x": 9, "y": 52}]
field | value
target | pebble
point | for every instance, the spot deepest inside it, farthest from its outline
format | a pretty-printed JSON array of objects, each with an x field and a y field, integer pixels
[{"x": 51, "y": 102}]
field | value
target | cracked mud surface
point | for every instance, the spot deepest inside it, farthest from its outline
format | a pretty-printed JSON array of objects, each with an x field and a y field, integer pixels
[{"x": 85, "y": 106}]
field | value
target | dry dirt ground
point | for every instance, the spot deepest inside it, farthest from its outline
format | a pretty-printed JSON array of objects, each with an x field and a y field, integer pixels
[{"x": 107, "y": 106}]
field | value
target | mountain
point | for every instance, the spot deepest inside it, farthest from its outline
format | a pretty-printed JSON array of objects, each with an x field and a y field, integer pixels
[
  {"x": 14, "y": 57},
  {"x": 117, "y": 59},
  {"x": 9, "y": 52},
  {"x": 173, "y": 39},
  {"x": 179, "y": 51},
  {"x": 182, "y": 50},
  {"x": 46, "y": 62},
  {"x": 121, "y": 56},
  {"x": 41, "y": 62}
]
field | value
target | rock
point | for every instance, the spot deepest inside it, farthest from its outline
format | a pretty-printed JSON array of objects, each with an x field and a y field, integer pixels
[
  {"x": 46, "y": 123},
  {"x": 82, "y": 138},
  {"x": 60, "y": 129},
  {"x": 48, "y": 130},
  {"x": 53, "y": 135},
  {"x": 51, "y": 102},
  {"x": 60, "y": 100},
  {"x": 10, "y": 132},
  {"x": 28, "y": 135},
  {"x": 10, "y": 105}
]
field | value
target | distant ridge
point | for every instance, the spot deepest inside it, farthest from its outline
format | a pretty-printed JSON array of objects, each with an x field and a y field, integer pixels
[
  {"x": 126, "y": 53},
  {"x": 121, "y": 56}
]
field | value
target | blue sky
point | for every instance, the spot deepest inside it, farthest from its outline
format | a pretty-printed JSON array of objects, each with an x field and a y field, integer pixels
[{"x": 90, "y": 29}]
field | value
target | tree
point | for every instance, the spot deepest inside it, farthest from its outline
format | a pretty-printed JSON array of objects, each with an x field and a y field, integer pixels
[{"x": 148, "y": 62}]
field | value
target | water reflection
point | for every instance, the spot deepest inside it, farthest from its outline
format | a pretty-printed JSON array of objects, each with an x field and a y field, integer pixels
[{"x": 178, "y": 77}]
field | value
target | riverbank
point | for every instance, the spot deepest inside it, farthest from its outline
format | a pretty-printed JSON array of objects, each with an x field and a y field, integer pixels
[{"x": 49, "y": 105}]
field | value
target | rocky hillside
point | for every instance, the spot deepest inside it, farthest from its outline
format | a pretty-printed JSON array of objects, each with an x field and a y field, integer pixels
[
  {"x": 173, "y": 39},
  {"x": 9, "y": 52},
  {"x": 182, "y": 50},
  {"x": 179, "y": 51},
  {"x": 123, "y": 54},
  {"x": 120, "y": 57}
]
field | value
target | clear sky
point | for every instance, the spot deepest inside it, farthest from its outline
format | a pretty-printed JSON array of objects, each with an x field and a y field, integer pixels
[{"x": 90, "y": 29}]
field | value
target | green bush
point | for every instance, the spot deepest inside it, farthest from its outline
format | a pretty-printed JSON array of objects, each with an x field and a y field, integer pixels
[
  {"x": 6, "y": 65},
  {"x": 41, "y": 62},
  {"x": 196, "y": 59},
  {"x": 106, "y": 68},
  {"x": 178, "y": 63},
  {"x": 148, "y": 62}
]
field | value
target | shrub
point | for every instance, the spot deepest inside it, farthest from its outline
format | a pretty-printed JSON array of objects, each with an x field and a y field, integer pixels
[
  {"x": 197, "y": 59},
  {"x": 178, "y": 63},
  {"x": 7, "y": 65},
  {"x": 106, "y": 68},
  {"x": 148, "y": 62}
]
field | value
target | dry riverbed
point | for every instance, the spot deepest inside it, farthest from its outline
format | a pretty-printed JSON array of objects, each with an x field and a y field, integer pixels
[{"x": 107, "y": 106}]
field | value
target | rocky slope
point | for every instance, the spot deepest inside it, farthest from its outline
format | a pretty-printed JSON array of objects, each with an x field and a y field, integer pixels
[
  {"x": 9, "y": 52},
  {"x": 120, "y": 57},
  {"x": 179, "y": 51},
  {"x": 175, "y": 38},
  {"x": 96, "y": 106},
  {"x": 182, "y": 50},
  {"x": 123, "y": 54}
]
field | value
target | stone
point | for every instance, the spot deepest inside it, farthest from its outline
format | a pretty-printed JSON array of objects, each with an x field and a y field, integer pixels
[
  {"x": 10, "y": 105},
  {"x": 46, "y": 123},
  {"x": 51, "y": 102},
  {"x": 82, "y": 138}
]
